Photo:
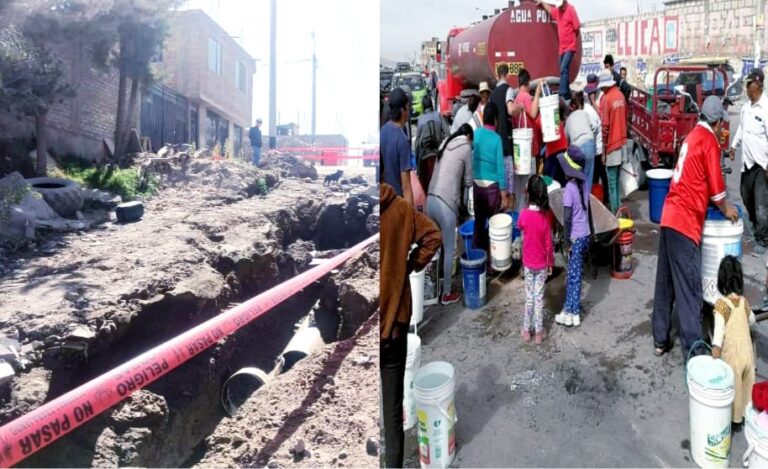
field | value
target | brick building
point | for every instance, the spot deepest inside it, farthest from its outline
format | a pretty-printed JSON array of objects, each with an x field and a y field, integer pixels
[{"x": 209, "y": 69}]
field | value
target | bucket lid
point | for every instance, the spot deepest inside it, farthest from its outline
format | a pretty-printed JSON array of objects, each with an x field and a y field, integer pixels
[
  {"x": 710, "y": 373},
  {"x": 626, "y": 224},
  {"x": 659, "y": 174},
  {"x": 715, "y": 214}
]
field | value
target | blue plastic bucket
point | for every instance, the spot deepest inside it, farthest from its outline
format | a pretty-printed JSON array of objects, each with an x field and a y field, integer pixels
[
  {"x": 473, "y": 278},
  {"x": 515, "y": 230},
  {"x": 658, "y": 188},
  {"x": 467, "y": 231}
]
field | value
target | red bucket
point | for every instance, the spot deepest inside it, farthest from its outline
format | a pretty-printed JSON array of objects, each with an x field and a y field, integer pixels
[{"x": 597, "y": 191}]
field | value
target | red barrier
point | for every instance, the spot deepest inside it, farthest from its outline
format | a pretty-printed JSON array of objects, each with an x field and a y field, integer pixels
[{"x": 51, "y": 421}]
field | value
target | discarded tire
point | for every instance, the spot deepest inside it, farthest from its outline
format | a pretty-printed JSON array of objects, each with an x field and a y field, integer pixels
[
  {"x": 63, "y": 195},
  {"x": 129, "y": 211}
]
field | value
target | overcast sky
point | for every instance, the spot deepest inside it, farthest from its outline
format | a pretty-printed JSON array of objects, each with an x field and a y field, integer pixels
[
  {"x": 406, "y": 23},
  {"x": 347, "y": 41}
]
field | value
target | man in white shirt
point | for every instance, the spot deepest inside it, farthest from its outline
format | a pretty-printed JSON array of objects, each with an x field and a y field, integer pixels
[{"x": 752, "y": 138}]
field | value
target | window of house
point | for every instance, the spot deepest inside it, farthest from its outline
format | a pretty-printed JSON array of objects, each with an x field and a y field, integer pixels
[
  {"x": 214, "y": 56},
  {"x": 240, "y": 77},
  {"x": 237, "y": 142}
]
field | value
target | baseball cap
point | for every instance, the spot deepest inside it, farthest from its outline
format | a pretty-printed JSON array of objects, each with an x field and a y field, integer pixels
[
  {"x": 712, "y": 110},
  {"x": 755, "y": 75},
  {"x": 398, "y": 98},
  {"x": 592, "y": 81}
]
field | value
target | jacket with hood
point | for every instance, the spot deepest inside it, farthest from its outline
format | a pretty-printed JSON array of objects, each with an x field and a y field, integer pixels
[{"x": 400, "y": 227}]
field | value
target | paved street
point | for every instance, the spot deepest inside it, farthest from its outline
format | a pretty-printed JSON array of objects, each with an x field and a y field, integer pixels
[{"x": 588, "y": 396}]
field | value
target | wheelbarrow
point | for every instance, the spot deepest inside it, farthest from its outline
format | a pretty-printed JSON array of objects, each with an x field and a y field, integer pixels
[{"x": 605, "y": 225}]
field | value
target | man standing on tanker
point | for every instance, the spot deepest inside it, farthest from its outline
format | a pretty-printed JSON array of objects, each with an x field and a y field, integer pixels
[
  {"x": 697, "y": 180},
  {"x": 568, "y": 26}
]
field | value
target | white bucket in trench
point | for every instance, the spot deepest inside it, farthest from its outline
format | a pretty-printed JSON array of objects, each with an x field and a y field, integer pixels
[
  {"x": 523, "y": 139},
  {"x": 417, "y": 296},
  {"x": 436, "y": 413},
  {"x": 756, "y": 455},
  {"x": 711, "y": 391},
  {"x": 550, "y": 117},
  {"x": 720, "y": 238},
  {"x": 412, "y": 363},
  {"x": 500, "y": 232}
]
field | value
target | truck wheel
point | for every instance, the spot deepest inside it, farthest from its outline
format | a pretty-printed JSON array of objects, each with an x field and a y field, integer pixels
[
  {"x": 639, "y": 162},
  {"x": 63, "y": 195}
]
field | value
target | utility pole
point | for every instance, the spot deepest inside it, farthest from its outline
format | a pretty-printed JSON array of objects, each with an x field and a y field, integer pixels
[
  {"x": 273, "y": 76},
  {"x": 314, "y": 89}
]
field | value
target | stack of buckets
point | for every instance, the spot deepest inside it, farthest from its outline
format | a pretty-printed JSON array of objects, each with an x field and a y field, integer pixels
[
  {"x": 500, "y": 233},
  {"x": 658, "y": 188},
  {"x": 711, "y": 390},
  {"x": 621, "y": 267},
  {"x": 473, "y": 273},
  {"x": 756, "y": 432}
]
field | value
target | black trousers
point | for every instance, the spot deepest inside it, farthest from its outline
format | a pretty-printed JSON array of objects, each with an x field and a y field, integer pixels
[
  {"x": 392, "y": 365},
  {"x": 678, "y": 283},
  {"x": 754, "y": 193}
]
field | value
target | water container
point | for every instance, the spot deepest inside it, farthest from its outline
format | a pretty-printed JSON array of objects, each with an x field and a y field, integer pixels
[
  {"x": 500, "y": 233},
  {"x": 417, "y": 297},
  {"x": 433, "y": 391},
  {"x": 412, "y": 363},
  {"x": 710, "y": 387},
  {"x": 550, "y": 117},
  {"x": 515, "y": 229},
  {"x": 467, "y": 232},
  {"x": 756, "y": 455},
  {"x": 523, "y": 155},
  {"x": 473, "y": 278},
  {"x": 721, "y": 238},
  {"x": 432, "y": 280},
  {"x": 658, "y": 188}
]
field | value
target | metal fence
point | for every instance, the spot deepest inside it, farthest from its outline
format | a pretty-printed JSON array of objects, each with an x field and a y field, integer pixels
[{"x": 164, "y": 116}]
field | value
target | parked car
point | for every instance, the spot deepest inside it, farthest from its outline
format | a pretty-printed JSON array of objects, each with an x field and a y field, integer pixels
[
  {"x": 403, "y": 67},
  {"x": 385, "y": 81},
  {"x": 416, "y": 84}
]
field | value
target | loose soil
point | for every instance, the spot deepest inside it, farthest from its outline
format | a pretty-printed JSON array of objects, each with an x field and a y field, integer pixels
[{"x": 82, "y": 303}]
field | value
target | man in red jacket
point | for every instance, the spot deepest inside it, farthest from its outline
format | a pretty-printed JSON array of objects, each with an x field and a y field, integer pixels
[
  {"x": 568, "y": 26},
  {"x": 613, "y": 115},
  {"x": 697, "y": 181}
]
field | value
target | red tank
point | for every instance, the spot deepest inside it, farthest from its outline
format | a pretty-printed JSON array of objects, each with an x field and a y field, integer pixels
[{"x": 522, "y": 36}]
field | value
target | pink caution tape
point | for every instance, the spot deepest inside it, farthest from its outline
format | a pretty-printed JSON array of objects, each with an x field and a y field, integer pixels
[
  {"x": 51, "y": 421},
  {"x": 332, "y": 156}
]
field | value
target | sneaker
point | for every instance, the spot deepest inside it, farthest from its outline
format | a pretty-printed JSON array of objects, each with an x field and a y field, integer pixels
[
  {"x": 526, "y": 335},
  {"x": 576, "y": 319},
  {"x": 540, "y": 337},
  {"x": 450, "y": 299},
  {"x": 564, "y": 319}
]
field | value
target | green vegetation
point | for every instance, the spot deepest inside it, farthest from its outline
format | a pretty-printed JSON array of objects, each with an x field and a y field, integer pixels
[{"x": 127, "y": 183}]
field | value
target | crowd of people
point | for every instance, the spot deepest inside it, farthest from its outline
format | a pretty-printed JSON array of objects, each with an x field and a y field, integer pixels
[{"x": 476, "y": 153}]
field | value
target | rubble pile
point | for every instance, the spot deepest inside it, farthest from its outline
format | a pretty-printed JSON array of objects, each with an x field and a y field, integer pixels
[{"x": 288, "y": 165}]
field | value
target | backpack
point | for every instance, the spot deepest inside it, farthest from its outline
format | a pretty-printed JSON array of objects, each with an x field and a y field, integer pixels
[{"x": 429, "y": 139}]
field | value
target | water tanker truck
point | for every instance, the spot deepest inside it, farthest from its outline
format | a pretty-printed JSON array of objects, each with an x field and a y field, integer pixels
[{"x": 521, "y": 36}]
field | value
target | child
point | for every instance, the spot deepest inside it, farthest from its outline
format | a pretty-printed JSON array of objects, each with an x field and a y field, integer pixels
[
  {"x": 731, "y": 340},
  {"x": 538, "y": 256},
  {"x": 576, "y": 210}
]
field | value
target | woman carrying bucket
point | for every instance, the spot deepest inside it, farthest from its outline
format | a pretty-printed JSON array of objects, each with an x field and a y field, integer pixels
[
  {"x": 453, "y": 172},
  {"x": 576, "y": 217},
  {"x": 490, "y": 184},
  {"x": 731, "y": 340}
]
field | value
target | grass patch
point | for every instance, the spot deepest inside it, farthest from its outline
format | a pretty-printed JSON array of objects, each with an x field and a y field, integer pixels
[{"x": 126, "y": 183}]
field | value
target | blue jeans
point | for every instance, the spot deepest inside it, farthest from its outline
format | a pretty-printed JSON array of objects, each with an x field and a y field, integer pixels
[
  {"x": 256, "y": 155},
  {"x": 565, "y": 64},
  {"x": 575, "y": 271},
  {"x": 589, "y": 166}
]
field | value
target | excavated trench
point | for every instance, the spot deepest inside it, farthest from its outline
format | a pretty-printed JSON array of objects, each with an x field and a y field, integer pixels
[{"x": 165, "y": 425}]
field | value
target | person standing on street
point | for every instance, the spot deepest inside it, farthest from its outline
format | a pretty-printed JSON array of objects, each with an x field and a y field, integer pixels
[
  {"x": 619, "y": 77},
  {"x": 590, "y": 91},
  {"x": 697, "y": 180},
  {"x": 401, "y": 226},
  {"x": 254, "y": 135},
  {"x": 752, "y": 138},
  {"x": 498, "y": 98},
  {"x": 613, "y": 116},
  {"x": 580, "y": 130},
  {"x": 568, "y": 26},
  {"x": 525, "y": 109},
  {"x": 396, "y": 147},
  {"x": 431, "y": 130},
  {"x": 466, "y": 113}
]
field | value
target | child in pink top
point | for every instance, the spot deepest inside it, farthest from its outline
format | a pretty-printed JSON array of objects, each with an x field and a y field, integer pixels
[{"x": 538, "y": 256}]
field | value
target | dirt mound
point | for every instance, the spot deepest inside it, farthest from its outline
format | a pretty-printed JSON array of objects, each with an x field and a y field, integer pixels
[
  {"x": 288, "y": 165},
  {"x": 321, "y": 413}
]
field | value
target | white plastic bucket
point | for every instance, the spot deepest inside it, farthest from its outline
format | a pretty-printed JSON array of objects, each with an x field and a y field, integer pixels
[
  {"x": 720, "y": 238},
  {"x": 756, "y": 455},
  {"x": 500, "y": 232},
  {"x": 523, "y": 139},
  {"x": 550, "y": 117},
  {"x": 433, "y": 390},
  {"x": 412, "y": 363},
  {"x": 711, "y": 391},
  {"x": 432, "y": 280},
  {"x": 417, "y": 296}
]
